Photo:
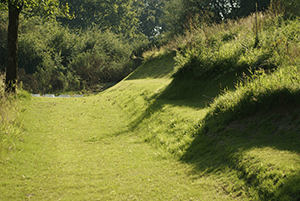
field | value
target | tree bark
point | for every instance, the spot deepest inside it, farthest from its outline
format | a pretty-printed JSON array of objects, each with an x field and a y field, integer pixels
[{"x": 12, "y": 48}]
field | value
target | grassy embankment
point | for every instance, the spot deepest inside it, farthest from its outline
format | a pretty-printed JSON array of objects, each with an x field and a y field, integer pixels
[
  {"x": 219, "y": 108},
  {"x": 249, "y": 137}
]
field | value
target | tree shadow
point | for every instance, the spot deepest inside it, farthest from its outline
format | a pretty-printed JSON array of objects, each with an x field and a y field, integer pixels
[
  {"x": 216, "y": 151},
  {"x": 194, "y": 92},
  {"x": 225, "y": 148}
]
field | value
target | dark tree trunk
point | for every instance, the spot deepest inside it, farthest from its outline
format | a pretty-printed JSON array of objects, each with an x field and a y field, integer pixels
[{"x": 12, "y": 48}]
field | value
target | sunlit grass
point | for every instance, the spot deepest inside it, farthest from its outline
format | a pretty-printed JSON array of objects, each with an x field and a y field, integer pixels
[{"x": 81, "y": 149}]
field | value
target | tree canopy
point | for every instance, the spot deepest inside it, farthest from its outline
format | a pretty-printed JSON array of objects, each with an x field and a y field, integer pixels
[
  {"x": 179, "y": 12},
  {"x": 119, "y": 16},
  {"x": 151, "y": 23},
  {"x": 130, "y": 18},
  {"x": 14, "y": 7}
]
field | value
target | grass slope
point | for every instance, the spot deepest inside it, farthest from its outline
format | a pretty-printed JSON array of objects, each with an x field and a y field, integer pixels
[
  {"x": 247, "y": 139},
  {"x": 253, "y": 155}
]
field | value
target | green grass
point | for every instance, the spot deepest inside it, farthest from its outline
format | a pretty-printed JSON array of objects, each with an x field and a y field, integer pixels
[
  {"x": 80, "y": 149},
  {"x": 188, "y": 124}
]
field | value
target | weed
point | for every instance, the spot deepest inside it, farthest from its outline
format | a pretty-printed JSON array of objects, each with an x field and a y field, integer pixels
[{"x": 10, "y": 120}]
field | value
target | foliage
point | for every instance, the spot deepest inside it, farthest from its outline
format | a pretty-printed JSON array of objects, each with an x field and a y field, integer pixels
[
  {"x": 133, "y": 19},
  {"x": 49, "y": 55},
  {"x": 54, "y": 58},
  {"x": 289, "y": 9},
  {"x": 46, "y": 8},
  {"x": 119, "y": 16},
  {"x": 184, "y": 15},
  {"x": 151, "y": 23}
]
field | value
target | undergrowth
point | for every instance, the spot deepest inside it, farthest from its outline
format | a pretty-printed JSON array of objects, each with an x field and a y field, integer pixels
[
  {"x": 231, "y": 47},
  {"x": 259, "y": 93},
  {"x": 10, "y": 118}
]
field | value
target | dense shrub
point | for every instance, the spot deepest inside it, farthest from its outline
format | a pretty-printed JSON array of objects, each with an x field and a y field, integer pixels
[{"x": 53, "y": 58}]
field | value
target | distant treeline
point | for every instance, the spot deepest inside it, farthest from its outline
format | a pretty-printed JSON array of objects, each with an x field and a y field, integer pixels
[
  {"x": 99, "y": 44},
  {"x": 55, "y": 58}
]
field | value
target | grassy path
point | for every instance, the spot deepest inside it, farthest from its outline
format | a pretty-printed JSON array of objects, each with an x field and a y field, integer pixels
[{"x": 59, "y": 158}]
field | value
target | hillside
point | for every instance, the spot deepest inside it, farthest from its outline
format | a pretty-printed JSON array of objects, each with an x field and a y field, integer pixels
[
  {"x": 231, "y": 110},
  {"x": 213, "y": 115}
]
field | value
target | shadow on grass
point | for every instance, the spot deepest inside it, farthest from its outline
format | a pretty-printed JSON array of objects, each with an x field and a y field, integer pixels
[
  {"x": 219, "y": 147},
  {"x": 224, "y": 145},
  {"x": 194, "y": 92}
]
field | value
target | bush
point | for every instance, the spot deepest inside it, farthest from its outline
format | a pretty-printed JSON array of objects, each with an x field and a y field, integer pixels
[
  {"x": 103, "y": 59},
  {"x": 55, "y": 59}
]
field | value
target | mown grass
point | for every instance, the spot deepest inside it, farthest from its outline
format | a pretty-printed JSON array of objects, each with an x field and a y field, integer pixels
[
  {"x": 254, "y": 131},
  {"x": 81, "y": 149}
]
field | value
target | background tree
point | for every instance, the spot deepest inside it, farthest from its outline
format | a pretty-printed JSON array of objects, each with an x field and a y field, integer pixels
[
  {"x": 119, "y": 16},
  {"x": 126, "y": 17},
  {"x": 14, "y": 8},
  {"x": 178, "y": 13},
  {"x": 246, "y": 7},
  {"x": 151, "y": 23}
]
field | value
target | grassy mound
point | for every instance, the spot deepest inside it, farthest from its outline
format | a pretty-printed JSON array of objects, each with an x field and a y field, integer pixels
[{"x": 231, "y": 109}]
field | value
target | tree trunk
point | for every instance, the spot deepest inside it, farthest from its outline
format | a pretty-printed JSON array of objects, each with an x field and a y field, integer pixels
[{"x": 12, "y": 48}]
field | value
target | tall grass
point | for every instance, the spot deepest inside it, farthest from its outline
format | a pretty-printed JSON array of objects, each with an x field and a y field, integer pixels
[
  {"x": 260, "y": 92},
  {"x": 10, "y": 120},
  {"x": 263, "y": 49},
  {"x": 251, "y": 43},
  {"x": 262, "y": 40}
]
